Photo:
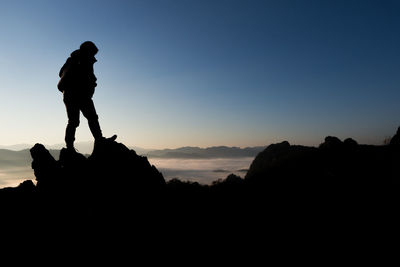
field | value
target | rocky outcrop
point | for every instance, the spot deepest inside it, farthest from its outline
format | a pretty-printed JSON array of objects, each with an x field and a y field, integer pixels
[
  {"x": 113, "y": 178},
  {"x": 396, "y": 138},
  {"x": 112, "y": 169},
  {"x": 334, "y": 165},
  {"x": 280, "y": 162}
]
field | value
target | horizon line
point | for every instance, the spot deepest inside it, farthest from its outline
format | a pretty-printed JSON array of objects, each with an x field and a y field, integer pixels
[{"x": 29, "y": 145}]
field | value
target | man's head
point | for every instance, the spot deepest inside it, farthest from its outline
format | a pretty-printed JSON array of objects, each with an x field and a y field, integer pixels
[{"x": 88, "y": 48}]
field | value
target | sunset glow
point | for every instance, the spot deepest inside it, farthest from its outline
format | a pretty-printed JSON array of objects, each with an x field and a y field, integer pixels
[{"x": 205, "y": 73}]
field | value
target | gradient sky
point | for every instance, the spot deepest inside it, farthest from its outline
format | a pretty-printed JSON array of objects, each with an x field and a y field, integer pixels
[{"x": 204, "y": 73}]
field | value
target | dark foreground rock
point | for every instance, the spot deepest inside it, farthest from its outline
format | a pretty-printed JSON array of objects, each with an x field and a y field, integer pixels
[{"x": 289, "y": 193}]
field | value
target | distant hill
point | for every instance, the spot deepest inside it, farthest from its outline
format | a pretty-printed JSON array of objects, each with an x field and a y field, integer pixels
[
  {"x": 83, "y": 147},
  {"x": 209, "y": 152}
]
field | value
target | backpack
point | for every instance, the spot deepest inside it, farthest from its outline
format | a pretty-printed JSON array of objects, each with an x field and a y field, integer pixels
[{"x": 68, "y": 74}]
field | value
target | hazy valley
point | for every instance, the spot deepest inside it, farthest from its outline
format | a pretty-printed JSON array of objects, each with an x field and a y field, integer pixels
[{"x": 203, "y": 165}]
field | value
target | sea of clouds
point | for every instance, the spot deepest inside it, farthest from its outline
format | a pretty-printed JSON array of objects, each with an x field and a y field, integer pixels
[{"x": 204, "y": 171}]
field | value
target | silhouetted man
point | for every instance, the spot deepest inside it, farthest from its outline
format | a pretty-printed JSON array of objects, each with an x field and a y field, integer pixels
[{"x": 77, "y": 84}]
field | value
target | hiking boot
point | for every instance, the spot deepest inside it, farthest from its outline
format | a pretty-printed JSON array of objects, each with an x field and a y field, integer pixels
[
  {"x": 112, "y": 138},
  {"x": 103, "y": 139}
]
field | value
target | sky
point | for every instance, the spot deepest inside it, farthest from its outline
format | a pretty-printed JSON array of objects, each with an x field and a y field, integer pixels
[{"x": 205, "y": 73}]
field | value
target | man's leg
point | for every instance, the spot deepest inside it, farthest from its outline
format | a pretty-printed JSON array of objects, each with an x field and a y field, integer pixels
[
  {"x": 73, "y": 122},
  {"x": 89, "y": 111}
]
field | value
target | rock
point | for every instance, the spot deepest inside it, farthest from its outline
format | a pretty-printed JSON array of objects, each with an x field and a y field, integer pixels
[
  {"x": 26, "y": 186},
  {"x": 45, "y": 167},
  {"x": 112, "y": 178},
  {"x": 349, "y": 142},
  {"x": 331, "y": 142},
  {"x": 396, "y": 138},
  {"x": 122, "y": 167},
  {"x": 111, "y": 164}
]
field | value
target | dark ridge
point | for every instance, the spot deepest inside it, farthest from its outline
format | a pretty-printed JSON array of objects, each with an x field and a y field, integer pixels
[{"x": 290, "y": 192}]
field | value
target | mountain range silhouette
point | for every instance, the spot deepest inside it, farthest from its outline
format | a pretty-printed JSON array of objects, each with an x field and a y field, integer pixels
[{"x": 290, "y": 191}]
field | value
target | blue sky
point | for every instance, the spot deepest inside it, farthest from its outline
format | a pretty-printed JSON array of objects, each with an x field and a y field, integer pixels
[{"x": 204, "y": 73}]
